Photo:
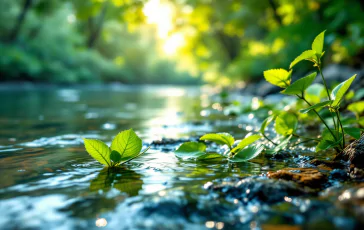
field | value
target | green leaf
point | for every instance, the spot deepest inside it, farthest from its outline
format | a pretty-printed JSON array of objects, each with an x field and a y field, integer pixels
[
  {"x": 317, "y": 106},
  {"x": 286, "y": 124},
  {"x": 98, "y": 150},
  {"x": 219, "y": 138},
  {"x": 247, "y": 153},
  {"x": 352, "y": 131},
  {"x": 298, "y": 87},
  {"x": 306, "y": 55},
  {"x": 132, "y": 158},
  {"x": 339, "y": 91},
  {"x": 245, "y": 142},
  {"x": 265, "y": 123},
  {"x": 115, "y": 156},
  {"x": 278, "y": 77},
  {"x": 210, "y": 156},
  {"x": 328, "y": 141},
  {"x": 318, "y": 43},
  {"x": 127, "y": 143},
  {"x": 315, "y": 92},
  {"x": 191, "y": 150},
  {"x": 357, "y": 108}
]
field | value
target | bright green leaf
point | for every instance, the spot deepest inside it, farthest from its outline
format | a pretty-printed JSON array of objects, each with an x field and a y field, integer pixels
[
  {"x": 265, "y": 123},
  {"x": 219, "y": 138},
  {"x": 328, "y": 141},
  {"x": 357, "y": 108},
  {"x": 315, "y": 92},
  {"x": 115, "y": 156},
  {"x": 286, "y": 124},
  {"x": 128, "y": 144},
  {"x": 278, "y": 77},
  {"x": 306, "y": 55},
  {"x": 298, "y": 87},
  {"x": 210, "y": 156},
  {"x": 339, "y": 91},
  {"x": 98, "y": 150},
  {"x": 352, "y": 131},
  {"x": 317, "y": 106},
  {"x": 191, "y": 150},
  {"x": 247, "y": 153},
  {"x": 318, "y": 43},
  {"x": 245, "y": 142}
]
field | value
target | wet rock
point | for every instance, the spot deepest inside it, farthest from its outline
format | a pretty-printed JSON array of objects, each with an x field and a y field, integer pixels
[
  {"x": 259, "y": 190},
  {"x": 355, "y": 153},
  {"x": 328, "y": 164},
  {"x": 356, "y": 173},
  {"x": 303, "y": 176},
  {"x": 338, "y": 174}
]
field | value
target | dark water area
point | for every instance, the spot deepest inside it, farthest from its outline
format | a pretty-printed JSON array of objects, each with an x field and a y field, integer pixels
[{"x": 48, "y": 181}]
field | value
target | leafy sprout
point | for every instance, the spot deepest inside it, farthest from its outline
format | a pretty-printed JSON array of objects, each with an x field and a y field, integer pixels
[{"x": 125, "y": 147}]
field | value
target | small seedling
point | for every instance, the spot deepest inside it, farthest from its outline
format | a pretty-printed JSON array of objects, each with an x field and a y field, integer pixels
[
  {"x": 286, "y": 123},
  {"x": 242, "y": 152},
  {"x": 125, "y": 147}
]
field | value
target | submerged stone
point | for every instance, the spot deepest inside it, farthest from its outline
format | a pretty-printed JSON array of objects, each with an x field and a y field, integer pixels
[
  {"x": 355, "y": 153},
  {"x": 259, "y": 189},
  {"x": 303, "y": 176}
]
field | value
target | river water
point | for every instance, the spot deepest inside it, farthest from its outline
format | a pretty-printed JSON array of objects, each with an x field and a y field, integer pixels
[{"x": 48, "y": 181}]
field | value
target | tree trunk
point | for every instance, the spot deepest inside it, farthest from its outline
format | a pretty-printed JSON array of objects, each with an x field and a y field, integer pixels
[
  {"x": 20, "y": 20},
  {"x": 95, "y": 30}
]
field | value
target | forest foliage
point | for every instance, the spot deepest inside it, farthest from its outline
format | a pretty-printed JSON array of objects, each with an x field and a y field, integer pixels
[{"x": 170, "y": 41}]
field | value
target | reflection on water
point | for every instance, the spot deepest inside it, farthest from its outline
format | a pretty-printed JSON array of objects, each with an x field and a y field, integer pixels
[{"x": 122, "y": 179}]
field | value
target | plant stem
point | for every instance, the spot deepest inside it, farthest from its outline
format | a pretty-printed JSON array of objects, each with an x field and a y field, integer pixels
[
  {"x": 328, "y": 95},
  {"x": 323, "y": 79},
  {"x": 265, "y": 136},
  {"x": 341, "y": 126},
  {"x": 323, "y": 121}
]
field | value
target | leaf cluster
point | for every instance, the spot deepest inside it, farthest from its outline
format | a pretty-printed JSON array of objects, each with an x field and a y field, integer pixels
[
  {"x": 243, "y": 151},
  {"x": 125, "y": 147},
  {"x": 286, "y": 123}
]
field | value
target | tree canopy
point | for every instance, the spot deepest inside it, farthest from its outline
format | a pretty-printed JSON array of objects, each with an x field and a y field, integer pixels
[{"x": 170, "y": 41}]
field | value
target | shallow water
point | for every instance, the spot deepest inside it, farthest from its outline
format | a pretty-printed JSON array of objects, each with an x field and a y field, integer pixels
[{"x": 48, "y": 181}]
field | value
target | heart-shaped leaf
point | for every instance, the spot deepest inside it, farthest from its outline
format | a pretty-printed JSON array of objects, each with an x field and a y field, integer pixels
[
  {"x": 278, "y": 77},
  {"x": 352, "y": 131},
  {"x": 190, "y": 150},
  {"x": 245, "y": 142},
  {"x": 219, "y": 138},
  {"x": 306, "y": 55},
  {"x": 328, "y": 140},
  {"x": 298, "y": 87},
  {"x": 247, "y": 153},
  {"x": 286, "y": 124},
  {"x": 339, "y": 91},
  {"x": 128, "y": 144},
  {"x": 266, "y": 122},
  {"x": 98, "y": 150}
]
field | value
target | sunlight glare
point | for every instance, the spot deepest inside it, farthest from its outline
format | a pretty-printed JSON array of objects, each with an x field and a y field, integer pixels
[
  {"x": 172, "y": 44},
  {"x": 161, "y": 14}
]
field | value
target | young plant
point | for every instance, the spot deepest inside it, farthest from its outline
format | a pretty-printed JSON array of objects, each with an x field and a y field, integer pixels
[
  {"x": 332, "y": 137},
  {"x": 241, "y": 152},
  {"x": 125, "y": 147}
]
